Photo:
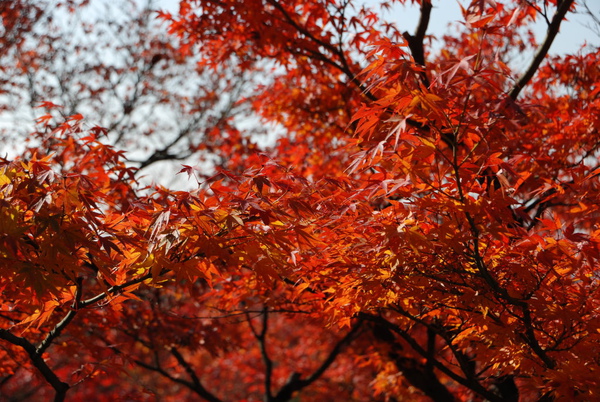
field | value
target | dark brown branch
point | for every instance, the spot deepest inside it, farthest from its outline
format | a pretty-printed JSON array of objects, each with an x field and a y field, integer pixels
[
  {"x": 541, "y": 53},
  {"x": 262, "y": 337},
  {"x": 420, "y": 377},
  {"x": 529, "y": 335},
  {"x": 301, "y": 29},
  {"x": 507, "y": 388},
  {"x": 56, "y": 331},
  {"x": 431, "y": 335},
  {"x": 415, "y": 42},
  {"x": 466, "y": 364},
  {"x": 198, "y": 387},
  {"x": 113, "y": 290},
  {"x": 531, "y": 340},
  {"x": 35, "y": 354},
  {"x": 165, "y": 374},
  {"x": 60, "y": 387},
  {"x": 334, "y": 353},
  {"x": 467, "y": 382},
  {"x": 543, "y": 13},
  {"x": 296, "y": 383},
  {"x": 235, "y": 313}
]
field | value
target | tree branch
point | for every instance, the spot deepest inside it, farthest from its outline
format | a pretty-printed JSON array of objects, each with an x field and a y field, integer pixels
[
  {"x": 198, "y": 387},
  {"x": 529, "y": 335},
  {"x": 475, "y": 386},
  {"x": 415, "y": 42},
  {"x": 261, "y": 337},
  {"x": 55, "y": 333},
  {"x": 194, "y": 385},
  {"x": 35, "y": 354},
  {"x": 60, "y": 387},
  {"x": 553, "y": 29},
  {"x": 114, "y": 289},
  {"x": 420, "y": 377},
  {"x": 295, "y": 383}
]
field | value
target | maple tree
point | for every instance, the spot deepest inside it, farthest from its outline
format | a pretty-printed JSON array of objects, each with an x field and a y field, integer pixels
[{"x": 426, "y": 227}]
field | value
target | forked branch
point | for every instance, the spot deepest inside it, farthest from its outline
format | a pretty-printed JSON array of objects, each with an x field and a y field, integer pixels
[{"x": 295, "y": 383}]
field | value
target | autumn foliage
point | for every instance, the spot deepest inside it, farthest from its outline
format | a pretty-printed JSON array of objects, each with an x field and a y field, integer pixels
[{"x": 424, "y": 227}]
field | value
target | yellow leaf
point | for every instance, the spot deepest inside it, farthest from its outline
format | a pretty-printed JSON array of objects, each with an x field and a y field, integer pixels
[
  {"x": 426, "y": 142},
  {"x": 433, "y": 98}
]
